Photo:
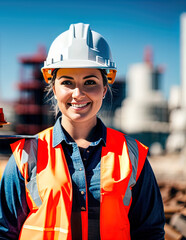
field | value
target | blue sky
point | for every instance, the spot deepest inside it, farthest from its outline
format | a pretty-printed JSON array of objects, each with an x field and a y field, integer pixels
[{"x": 129, "y": 26}]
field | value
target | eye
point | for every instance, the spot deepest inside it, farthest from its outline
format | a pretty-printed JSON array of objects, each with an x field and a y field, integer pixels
[
  {"x": 66, "y": 82},
  {"x": 90, "y": 82}
]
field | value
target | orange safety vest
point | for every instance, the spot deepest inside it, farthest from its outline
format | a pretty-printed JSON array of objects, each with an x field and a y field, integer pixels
[{"x": 49, "y": 186}]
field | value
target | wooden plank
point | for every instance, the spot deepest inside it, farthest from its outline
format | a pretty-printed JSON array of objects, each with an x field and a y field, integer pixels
[
  {"x": 178, "y": 222},
  {"x": 171, "y": 233}
]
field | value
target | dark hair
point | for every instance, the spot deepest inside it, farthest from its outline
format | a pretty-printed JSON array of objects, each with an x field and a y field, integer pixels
[{"x": 104, "y": 76}]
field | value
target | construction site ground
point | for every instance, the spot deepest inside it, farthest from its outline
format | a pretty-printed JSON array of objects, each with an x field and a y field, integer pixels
[{"x": 170, "y": 172}]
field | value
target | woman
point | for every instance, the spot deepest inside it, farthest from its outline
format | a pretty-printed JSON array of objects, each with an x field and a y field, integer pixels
[{"x": 79, "y": 179}]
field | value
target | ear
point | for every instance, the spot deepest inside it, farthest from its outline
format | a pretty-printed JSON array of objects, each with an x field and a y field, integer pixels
[{"x": 105, "y": 90}]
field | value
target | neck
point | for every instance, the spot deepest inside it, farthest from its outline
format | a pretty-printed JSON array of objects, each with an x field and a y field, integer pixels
[{"x": 79, "y": 131}]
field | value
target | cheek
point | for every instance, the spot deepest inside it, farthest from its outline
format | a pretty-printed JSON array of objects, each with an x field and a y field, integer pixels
[
  {"x": 62, "y": 94},
  {"x": 96, "y": 92}
]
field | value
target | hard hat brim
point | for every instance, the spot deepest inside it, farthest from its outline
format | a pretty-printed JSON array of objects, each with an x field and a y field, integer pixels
[
  {"x": 47, "y": 70},
  {"x": 79, "y": 64}
]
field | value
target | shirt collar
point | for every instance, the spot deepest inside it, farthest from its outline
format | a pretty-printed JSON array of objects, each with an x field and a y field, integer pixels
[{"x": 59, "y": 134}]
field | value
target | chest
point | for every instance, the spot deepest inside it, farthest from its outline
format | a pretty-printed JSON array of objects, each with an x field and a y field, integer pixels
[{"x": 94, "y": 173}]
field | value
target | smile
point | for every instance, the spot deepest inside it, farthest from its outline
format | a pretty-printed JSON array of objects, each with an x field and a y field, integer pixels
[{"x": 75, "y": 105}]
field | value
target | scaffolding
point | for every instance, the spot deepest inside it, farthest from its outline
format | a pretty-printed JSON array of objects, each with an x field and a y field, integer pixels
[{"x": 31, "y": 108}]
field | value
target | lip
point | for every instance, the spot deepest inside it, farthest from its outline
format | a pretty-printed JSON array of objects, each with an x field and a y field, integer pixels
[{"x": 79, "y": 106}]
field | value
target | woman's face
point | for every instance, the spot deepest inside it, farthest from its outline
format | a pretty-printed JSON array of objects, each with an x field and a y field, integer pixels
[{"x": 79, "y": 93}]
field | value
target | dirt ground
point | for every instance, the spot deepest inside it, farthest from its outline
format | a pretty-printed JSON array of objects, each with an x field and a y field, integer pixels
[{"x": 169, "y": 168}]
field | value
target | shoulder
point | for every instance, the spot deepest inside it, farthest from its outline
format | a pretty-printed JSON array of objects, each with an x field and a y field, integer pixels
[
  {"x": 113, "y": 132},
  {"x": 114, "y": 137},
  {"x": 136, "y": 150},
  {"x": 20, "y": 144},
  {"x": 134, "y": 146},
  {"x": 137, "y": 153},
  {"x": 46, "y": 132},
  {"x": 11, "y": 169}
]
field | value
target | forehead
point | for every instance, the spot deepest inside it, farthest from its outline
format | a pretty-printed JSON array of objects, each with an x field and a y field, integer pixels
[{"x": 73, "y": 72}]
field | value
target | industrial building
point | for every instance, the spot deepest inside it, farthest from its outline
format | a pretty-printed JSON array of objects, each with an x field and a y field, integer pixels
[
  {"x": 177, "y": 102},
  {"x": 32, "y": 111},
  {"x": 144, "y": 113}
]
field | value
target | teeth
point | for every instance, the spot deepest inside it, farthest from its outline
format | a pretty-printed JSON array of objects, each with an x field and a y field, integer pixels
[{"x": 79, "y": 105}]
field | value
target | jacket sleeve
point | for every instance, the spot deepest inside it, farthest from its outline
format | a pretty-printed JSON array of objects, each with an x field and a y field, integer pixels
[
  {"x": 146, "y": 213},
  {"x": 13, "y": 205}
]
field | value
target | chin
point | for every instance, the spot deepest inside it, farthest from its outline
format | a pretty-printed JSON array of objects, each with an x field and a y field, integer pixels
[{"x": 83, "y": 119}]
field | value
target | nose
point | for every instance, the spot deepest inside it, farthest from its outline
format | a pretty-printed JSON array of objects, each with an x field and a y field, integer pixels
[{"x": 77, "y": 93}]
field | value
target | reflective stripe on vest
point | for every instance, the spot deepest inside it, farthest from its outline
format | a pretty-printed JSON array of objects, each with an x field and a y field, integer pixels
[
  {"x": 133, "y": 155},
  {"x": 49, "y": 192}
]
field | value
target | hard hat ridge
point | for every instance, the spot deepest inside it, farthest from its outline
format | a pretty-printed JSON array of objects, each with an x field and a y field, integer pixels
[
  {"x": 80, "y": 30},
  {"x": 79, "y": 36}
]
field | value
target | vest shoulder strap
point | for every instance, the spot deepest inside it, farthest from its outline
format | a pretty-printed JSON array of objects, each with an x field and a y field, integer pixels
[
  {"x": 29, "y": 156},
  {"x": 137, "y": 154},
  {"x": 25, "y": 154}
]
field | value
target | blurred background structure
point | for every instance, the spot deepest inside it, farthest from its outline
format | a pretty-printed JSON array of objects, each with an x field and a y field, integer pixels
[
  {"x": 148, "y": 99},
  {"x": 144, "y": 112},
  {"x": 32, "y": 113},
  {"x": 177, "y": 101}
]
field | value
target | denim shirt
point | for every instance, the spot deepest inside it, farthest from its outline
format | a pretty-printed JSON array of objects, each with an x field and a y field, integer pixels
[
  {"x": 84, "y": 167},
  {"x": 83, "y": 164},
  {"x": 146, "y": 213}
]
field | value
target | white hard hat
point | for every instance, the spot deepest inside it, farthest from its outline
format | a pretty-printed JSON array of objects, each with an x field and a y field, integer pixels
[{"x": 79, "y": 47}]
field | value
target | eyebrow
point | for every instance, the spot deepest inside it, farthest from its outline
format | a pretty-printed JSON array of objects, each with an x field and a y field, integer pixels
[
  {"x": 90, "y": 76},
  {"x": 68, "y": 77}
]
